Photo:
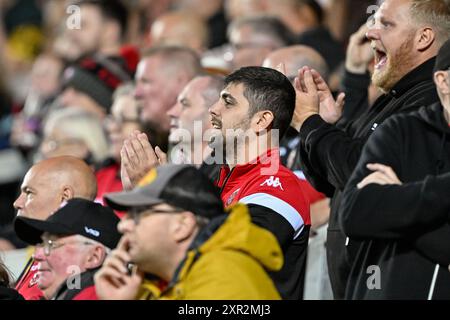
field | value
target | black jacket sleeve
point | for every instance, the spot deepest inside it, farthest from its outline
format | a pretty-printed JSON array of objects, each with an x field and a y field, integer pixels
[
  {"x": 328, "y": 153},
  {"x": 355, "y": 87},
  {"x": 274, "y": 222},
  {"x": 392, "y": 211},
  {"x": 435, "y": 245}
]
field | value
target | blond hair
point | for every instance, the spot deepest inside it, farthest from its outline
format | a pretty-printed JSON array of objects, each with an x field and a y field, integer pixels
[{"x": 435, "y": 13}]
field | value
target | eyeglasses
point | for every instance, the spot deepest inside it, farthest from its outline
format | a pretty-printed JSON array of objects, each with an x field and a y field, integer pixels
[
  {"x": 49, "y": 245},
  {"x": 137, "y": 213}
]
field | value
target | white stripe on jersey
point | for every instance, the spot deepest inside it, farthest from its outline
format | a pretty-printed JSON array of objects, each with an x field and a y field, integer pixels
[{"x": 279, "y": 206}]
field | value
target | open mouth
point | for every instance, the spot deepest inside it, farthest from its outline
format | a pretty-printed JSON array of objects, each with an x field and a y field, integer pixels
[
  {"x": 380, "y": 59},
  {"x": 216, "y": 124}
]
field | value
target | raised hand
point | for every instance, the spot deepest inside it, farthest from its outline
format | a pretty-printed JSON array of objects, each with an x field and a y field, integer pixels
[
  {"x": 137, "y": 158},
  {"x": 359, "y": 52},
  {"x": 330, "y": 110},
  {"x": 307, "y": 98},
  {"x": 113, "y": 281}
]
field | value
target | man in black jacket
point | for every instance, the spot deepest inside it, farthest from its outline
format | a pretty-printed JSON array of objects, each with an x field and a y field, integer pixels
[
  {"x": 397, "y": 204},
  {"x": 406, "y": 36}
]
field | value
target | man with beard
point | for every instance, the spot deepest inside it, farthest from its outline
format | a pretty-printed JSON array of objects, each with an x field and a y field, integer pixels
[
  {"x": 103, "y": 29},
  {"x": 396, "y": 203},
  {"x": 405, "y": 37},
  {"x": 256, "y": 104}
]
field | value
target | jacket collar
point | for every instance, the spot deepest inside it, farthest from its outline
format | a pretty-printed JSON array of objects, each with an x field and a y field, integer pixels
[
  {"x": 421, "y": 73},
  {"x": 264, "y": 160}
]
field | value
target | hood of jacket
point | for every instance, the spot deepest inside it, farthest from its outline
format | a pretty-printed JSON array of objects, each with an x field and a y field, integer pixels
[
  {"x": 234, "y": 231},
  {"x": 433, "y": 117}
]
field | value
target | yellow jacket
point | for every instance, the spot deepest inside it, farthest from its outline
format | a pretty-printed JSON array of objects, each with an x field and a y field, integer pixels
[{"x": 229, "y": 265}]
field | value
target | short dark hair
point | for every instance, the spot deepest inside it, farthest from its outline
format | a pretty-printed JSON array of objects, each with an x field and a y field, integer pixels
[
  {"x": 111, "y": 10},
  {"x": 193, "y": 189},
  {"x": 267, "y": 89}
]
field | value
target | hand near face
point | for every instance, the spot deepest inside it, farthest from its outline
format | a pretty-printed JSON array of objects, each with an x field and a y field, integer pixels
[
  {"x": 307, "y": 98},
  {"x": 382, "y": 175},
  {"x": 359, "y": 52},
  {"x": 137, "y": 158},
  {"x": 113, "y": 281},
  {"x": 330, "y": 110}
]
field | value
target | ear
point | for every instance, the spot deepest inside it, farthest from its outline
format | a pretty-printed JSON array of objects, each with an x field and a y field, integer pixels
[
  {"x": 96, "y": 257},
  {"x": 67, "y": 193},
  {"x": 184, "y": 226},
  {"x": 442, "y": 81},
  {"x": 262, "y": 121},
  {"x": 425, "y": 38}
]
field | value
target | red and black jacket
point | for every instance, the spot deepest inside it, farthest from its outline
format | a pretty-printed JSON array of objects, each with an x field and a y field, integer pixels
[{"x": 277, "y": 203}]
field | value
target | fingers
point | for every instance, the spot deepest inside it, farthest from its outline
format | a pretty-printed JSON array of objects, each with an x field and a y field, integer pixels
[
  {"x": 320, "y": 82},
  {"x": 360, "y": 35},
  {"x": 149, "y": 152},
  {"x": 161, "y": 156},
  {"x": 299, "y": 81},
  {"x": 386, "y": 170},
  {"x": 340, "y": 101},
  {"x": 383, "y": 175},
  {"x": 374, "y": 178},
  {"x": 111, "y": 275},
  {"x": 309, "y": 82}
]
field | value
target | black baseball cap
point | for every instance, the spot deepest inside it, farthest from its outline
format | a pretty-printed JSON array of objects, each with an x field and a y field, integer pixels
[
  {"x": 77, "y": 216},
  {"x": 443, "y": 57},
  {"x": 182, "y": 186}
]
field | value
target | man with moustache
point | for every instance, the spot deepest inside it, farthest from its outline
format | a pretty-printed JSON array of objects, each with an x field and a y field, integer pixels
[
  {"x": 405, "y": 37},
  {"x": 396, "y": 203}
]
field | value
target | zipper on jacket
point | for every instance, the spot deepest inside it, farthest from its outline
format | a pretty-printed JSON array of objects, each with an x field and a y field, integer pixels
[
  {"x": 226, "y": 180},
  {"x": 433, "y": 282}
]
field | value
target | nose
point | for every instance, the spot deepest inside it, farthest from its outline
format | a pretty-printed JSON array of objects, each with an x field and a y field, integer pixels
[
  {"x": 125, "y": 225},
  {"x": 19, "y": 203},
  {"x": 39, "y": 253},
  {"x": 138, "y": 90},
  {"x": 373, "y": 33},
  {"x": 214, "y": 110},
  {"x": 175, "y": 111}
]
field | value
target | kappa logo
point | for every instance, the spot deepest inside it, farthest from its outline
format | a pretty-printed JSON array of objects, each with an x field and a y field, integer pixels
[
  {"x": 231, "y": 198},
  {"x": 94, "y": 232},
  {"x": 273, "y": 182}
]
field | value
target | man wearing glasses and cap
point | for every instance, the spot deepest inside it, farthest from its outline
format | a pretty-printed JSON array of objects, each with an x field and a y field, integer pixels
[
  {"x": 70, "y": 247},
  {"x": 177, "y": 230},
  {"x": 397, "y": 203}
]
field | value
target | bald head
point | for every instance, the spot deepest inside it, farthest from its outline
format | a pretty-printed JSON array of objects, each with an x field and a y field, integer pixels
[
  {"x": 296, "y": 57},
  {"x": 73, "y": 172},
  {"x": 51, "y": 182},
  {"x": 180, "y": 29}
]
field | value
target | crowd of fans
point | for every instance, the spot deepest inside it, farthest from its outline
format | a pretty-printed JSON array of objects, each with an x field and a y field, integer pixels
[{"x": 187, "y": 149}]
